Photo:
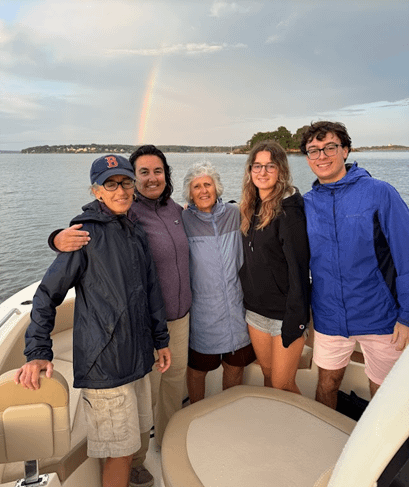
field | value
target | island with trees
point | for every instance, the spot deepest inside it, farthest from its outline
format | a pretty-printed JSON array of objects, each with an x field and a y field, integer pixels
[{"x": 288, "y": 141}]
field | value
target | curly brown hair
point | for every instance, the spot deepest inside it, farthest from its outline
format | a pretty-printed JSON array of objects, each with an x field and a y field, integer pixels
[
  {"x": 319, "y": 130},
  {"x": 271, "y": 206}
]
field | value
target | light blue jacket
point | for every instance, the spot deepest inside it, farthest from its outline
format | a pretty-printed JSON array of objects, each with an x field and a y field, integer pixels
[
  {"x": 217, "y": 323},
  {"x": 358, "y": 230}
]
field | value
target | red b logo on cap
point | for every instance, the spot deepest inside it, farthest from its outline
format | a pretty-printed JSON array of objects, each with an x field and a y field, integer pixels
[{"x": 112, "y": 162}]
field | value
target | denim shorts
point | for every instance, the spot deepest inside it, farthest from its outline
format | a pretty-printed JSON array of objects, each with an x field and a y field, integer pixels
[
  {"x": 264, "y": 324},
  {"x": 116, "y": 418}
]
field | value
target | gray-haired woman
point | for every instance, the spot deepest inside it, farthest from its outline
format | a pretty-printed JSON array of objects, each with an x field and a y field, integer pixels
[{"x": 218, "y": 330}]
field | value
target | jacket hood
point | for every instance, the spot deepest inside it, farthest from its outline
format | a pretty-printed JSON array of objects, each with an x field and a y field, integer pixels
[
  {"x": 353, "y": 174},
  {"x": 218, "y": 209},
  {"x": 94, "y": 212},
  {"x": 295, "y": 200}
]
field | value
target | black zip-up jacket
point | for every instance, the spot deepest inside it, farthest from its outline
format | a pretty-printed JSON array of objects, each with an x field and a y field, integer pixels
[
  {"x": 119, "y": 313},
  {"x": 275, "y": 273}
]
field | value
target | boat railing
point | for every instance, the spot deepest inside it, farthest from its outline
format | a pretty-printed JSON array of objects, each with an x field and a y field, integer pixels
[{"x": 9, "y": 315}]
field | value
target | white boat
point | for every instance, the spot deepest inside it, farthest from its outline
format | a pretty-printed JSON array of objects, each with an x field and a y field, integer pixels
[{"x": 248, "y": 435}]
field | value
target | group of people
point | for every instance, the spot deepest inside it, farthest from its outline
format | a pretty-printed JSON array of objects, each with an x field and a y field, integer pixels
[{"x": 220, "y": 284}]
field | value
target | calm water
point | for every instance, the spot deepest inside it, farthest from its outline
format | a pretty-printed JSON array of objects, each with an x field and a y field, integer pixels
[{"x": 43, "y": 192}]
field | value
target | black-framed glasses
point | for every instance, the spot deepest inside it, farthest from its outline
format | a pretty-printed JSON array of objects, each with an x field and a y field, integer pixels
[
  {"x": 113, "y": 185},
  {"x": 329, "y": 150},
  {"x": 269, "y": 167}
]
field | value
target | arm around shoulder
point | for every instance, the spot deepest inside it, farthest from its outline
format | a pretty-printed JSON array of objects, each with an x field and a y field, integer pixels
[{"x": 69, "y": 239}]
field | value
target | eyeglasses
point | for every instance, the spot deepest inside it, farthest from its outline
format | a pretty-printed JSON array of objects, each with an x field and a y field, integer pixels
[
  {"x": 328, "y": 150},
  {"x": 113, "y": 185},
  {"x": 270, "y": 167}
]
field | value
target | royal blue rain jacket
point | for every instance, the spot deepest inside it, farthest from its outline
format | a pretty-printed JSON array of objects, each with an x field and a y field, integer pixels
[{"x": 358, "y": 230}]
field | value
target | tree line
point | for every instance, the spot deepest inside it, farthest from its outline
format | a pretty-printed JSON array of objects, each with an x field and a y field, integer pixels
[{"x": 282, "y": 135}]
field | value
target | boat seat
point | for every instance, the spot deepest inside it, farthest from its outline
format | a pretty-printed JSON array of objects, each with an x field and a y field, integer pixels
[
  {"x": 251, "y": 435},
  {"x": 27, "y": 416},
  {"x": 62, "y": 465}
]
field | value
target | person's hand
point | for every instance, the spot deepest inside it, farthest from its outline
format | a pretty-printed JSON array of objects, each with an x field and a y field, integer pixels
[
  {"x": 28, "y": 375},
  {"x": 400, "y": 336},
  {"x": 164, "y": 359},
  {"x": 71, "y": 239}
]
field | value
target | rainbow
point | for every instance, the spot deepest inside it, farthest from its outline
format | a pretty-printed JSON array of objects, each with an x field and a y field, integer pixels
[{"x": 147, "y": 102}]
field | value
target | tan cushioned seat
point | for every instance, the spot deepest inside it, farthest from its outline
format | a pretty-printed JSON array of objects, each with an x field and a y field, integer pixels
[
  {"x": 26, "y": 416},
  {"x": 251, "y": 435}
]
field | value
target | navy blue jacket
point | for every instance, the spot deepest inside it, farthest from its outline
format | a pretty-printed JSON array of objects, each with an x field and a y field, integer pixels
[
  {"x": 358, "y": 229},
  {"x": 119, "y": 313}
]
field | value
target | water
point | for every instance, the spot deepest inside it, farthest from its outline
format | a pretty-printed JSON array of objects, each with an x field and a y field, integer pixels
[{"x": 43, "y": 192}]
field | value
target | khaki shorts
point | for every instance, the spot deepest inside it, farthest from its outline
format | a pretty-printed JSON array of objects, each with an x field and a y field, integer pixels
[
  {"x": 116, "y": 418},
  {"x": 334, "y": 352}
]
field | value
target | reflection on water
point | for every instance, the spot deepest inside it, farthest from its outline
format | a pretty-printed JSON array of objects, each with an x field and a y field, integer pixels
[{"x": 44, "y": 191}]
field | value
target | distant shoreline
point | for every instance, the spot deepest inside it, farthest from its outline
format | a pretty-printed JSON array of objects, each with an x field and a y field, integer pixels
[{"x": 125, "y": 149}]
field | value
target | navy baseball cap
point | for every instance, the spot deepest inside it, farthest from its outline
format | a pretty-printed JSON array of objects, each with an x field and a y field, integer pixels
[{"x": 106, "y": 166}]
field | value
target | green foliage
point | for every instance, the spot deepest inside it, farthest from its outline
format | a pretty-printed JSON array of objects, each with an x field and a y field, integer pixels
[{"x": 282, "y": 136}]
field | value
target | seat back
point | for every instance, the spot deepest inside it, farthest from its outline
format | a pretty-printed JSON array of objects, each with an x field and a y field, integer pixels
[
  {"x": 34, "y": 424},
  {"x": 380, "y": 432}
]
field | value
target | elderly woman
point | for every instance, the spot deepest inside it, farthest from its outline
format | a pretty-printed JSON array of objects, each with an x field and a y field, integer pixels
[
  {"x": 218, "y": 330},
  {"x": 119, "y": 318},
  {"x": 161, "y": 219}
]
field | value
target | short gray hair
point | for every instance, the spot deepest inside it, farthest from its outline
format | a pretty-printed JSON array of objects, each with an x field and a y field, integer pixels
[
  {"x": 94, "y": 186},
  {"x": 198, "y": 170}
]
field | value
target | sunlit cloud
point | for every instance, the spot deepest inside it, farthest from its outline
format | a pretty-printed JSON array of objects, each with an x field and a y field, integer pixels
[
  {"x": 222, "y": 9},
  {"x": 187, "y": 49}
]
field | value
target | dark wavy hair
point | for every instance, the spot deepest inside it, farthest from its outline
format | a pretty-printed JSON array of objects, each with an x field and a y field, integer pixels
[
  {"x": 319, "y": 130},
  {"x": 151, "y": 150}
]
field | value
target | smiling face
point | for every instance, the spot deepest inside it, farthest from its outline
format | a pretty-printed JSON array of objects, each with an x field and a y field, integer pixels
[
  {"x": 150, "y": 176},
  {"x": 203, "y": 193},
  {"x": 328, "y": 169},
  {"x": 263, "y": 180},
  {"x": 118, "y": 201}
]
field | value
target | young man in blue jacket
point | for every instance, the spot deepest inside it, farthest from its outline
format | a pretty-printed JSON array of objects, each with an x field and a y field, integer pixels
[{"x": 358, "y": 230}]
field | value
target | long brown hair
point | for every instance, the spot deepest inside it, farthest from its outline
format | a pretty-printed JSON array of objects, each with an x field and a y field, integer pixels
[{"x": 271, "y": 206}]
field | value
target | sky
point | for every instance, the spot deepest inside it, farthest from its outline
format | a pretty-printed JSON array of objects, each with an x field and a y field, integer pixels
[{"x": 200, "y": 72}]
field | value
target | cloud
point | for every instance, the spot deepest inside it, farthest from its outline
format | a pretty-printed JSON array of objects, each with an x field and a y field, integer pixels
[
  {"x": 187, "y": 49},
  {"x": 223, "y": 9},
  {"x": 284, "y": 25},
  {"x": 23, "y": 107}
]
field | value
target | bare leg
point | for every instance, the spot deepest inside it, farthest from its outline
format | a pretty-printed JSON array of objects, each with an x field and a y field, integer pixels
[
  {"x": 232, "y": 375},
  {"x": 116, "y": 472},
  {"x": 196, "y": 384},
  {"x": 373, "y": 388},
  {"x": 284, "y": 363},
  {"x": 262, "y": 347},
  {"x": 328, "y": 386}
]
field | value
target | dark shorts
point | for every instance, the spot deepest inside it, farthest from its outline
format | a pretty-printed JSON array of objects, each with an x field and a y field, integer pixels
[{"x": 206, "y": 362}]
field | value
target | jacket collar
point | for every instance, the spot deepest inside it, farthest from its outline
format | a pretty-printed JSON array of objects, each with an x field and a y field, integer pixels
[
  {"x": 218, "y": 209},
  {"x": 353, "y": 174}
]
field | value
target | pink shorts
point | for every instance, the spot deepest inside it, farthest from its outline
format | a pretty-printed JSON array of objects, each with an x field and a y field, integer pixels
[{"x": 334, "y": 352}]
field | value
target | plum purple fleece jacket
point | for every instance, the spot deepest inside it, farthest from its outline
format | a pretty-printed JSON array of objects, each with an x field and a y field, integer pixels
[{"x": 170, "y": 250}]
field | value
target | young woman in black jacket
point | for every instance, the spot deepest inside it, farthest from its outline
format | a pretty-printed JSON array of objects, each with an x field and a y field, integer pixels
[{"x": 275, "y": 274}]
